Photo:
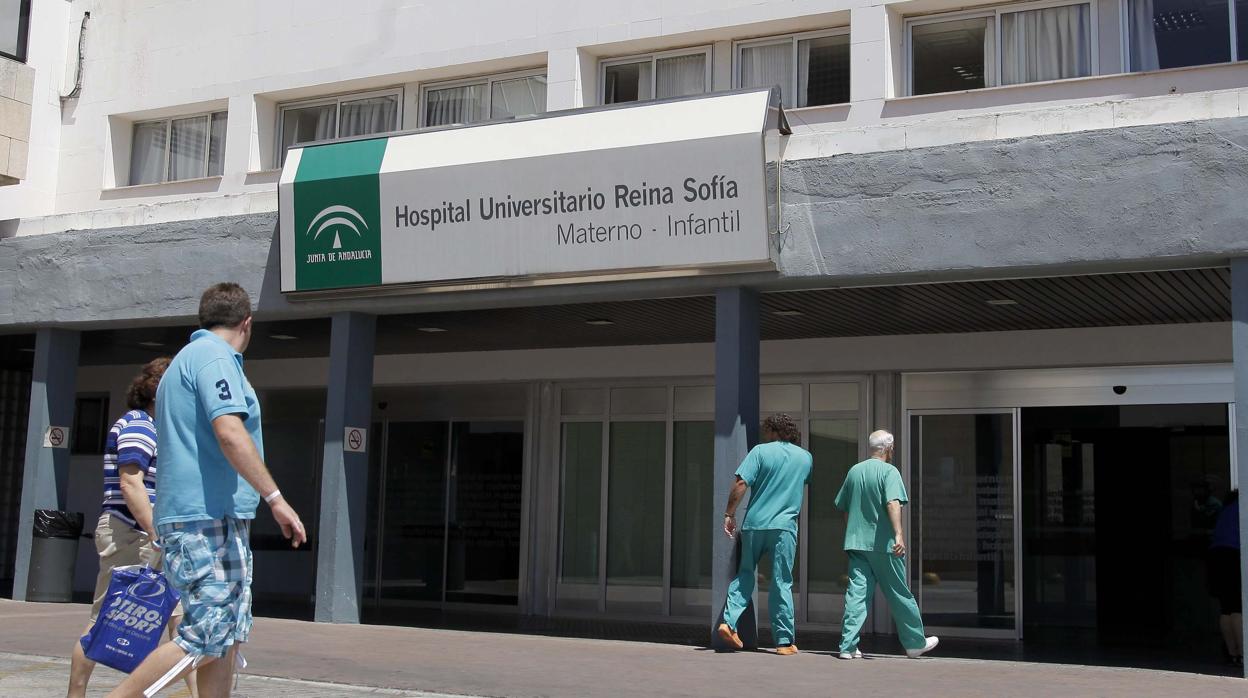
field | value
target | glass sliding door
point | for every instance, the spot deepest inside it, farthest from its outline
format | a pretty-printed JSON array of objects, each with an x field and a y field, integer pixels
[
  {"x": 963, "y": 523},
  {"x": 693, "y": 472},
  {"x": 834, "y": 446},
  {"x": 414, "y": 512},
  {"x": 635, "y": 516},
  {"x": 483, "y": 513},
  {"x": 579, "y": 521}
]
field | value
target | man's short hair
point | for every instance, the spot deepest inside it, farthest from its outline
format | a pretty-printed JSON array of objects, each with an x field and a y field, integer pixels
[
  {"x": 880, "y": 441},
  {"x": 223, "y": 305},
  {"x": 783, "y": 427}
]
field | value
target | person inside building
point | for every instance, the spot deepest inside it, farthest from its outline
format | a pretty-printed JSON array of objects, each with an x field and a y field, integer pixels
[
  {"x": 125, "y": 534},
  {"x": 211, "y": 480},
  {"x": 1224, "y": 578},
  {"x": 872, "y": 497},
  {"x": 776, "y": 473}
]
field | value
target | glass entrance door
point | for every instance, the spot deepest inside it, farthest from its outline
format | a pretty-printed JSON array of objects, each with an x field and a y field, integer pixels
[
  {"x": 444, "y": 514},
  {"x": 964, "y": 520}
]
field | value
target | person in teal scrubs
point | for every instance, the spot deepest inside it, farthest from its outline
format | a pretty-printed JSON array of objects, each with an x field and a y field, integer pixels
[
  {"x": 872, "y": 497},
  {"x": 776, "y": 473}
]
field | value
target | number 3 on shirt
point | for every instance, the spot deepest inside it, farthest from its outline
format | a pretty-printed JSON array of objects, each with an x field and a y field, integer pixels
[{"x": 224, "y": 387}]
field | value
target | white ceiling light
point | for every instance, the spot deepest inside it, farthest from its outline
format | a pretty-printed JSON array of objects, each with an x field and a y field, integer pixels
[
  {"x": 151, "y": 344},
  {"x": 431, "y": 329},
  {"x": 283, "y": 337}
]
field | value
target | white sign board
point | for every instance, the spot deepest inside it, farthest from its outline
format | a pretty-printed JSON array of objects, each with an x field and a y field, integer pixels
[{"x": 669, "y": 186}]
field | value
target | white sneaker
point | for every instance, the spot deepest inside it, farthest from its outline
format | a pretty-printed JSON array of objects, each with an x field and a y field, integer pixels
[
  {"x": 927, "y": 647},
  {"x": 856, "y": 654}
]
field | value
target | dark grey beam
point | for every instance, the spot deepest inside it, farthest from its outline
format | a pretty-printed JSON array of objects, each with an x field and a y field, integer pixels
[
  {"x": 45, "y": 475},
  {"x": 1239, "y": 353},
  {"x": 736, "y": 432},
  {"x": 344, "y": 485}
]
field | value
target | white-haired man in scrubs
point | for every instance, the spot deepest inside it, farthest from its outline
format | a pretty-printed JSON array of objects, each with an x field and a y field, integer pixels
[{"x": 871, "y": 498}]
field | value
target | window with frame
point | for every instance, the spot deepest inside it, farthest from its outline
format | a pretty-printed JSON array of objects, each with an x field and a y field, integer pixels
[
  {"x": 485, "y": 98},
  {"x": 14, "y": 28},
  {"x": 186, "y": 147},
  {"x": 1178, "y": 33},
  {"x": 656, "y": 76},
  {"x": 810, "y": 69},
  {"x": 1007, "y": 45},
  {"x": 342, "y": 116}
]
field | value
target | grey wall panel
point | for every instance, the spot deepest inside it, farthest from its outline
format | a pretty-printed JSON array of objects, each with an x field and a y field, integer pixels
[{"x": 1148, "y": 197}]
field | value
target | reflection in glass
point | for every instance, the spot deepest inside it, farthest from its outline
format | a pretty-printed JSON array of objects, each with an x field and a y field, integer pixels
[
  {"x": 627, "y": 82},
  {"x": 951, "y": 56},
  {"x": 1176, "y": 33},
  {"x": 579, "y": 533},
  {"x": 834, "y": 446},
  {"x": 636, "y": 474},
  {"x": 965, "y": 505},
  {"x": 693, "y": 471},
  {"x": 483, "y": 523},
  {"x": 415, "y": 518},
  {"x": 823, "y": 70}
]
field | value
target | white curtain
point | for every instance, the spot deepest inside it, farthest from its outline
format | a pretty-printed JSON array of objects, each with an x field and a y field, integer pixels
[
  {"x": 307, "y": 124},
  {"x": 1049, "y": 44},
  {"x": 680, "y": 76},
  {"x": 1142, "y": 36},
  {"x": 518, "y": 97},
  {"x": 362, "y": 117},
  {"x": 767, "y": 66},
  {"x": 147, "y": 153},
  {"x": 216, "y": 145},
  {"x": 188, "y": 148},
  {"x": 455, "y": 105},
  {"x": 627, "y": 82}
]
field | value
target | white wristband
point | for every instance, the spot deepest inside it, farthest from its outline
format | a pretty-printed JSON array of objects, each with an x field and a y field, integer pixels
[{"x": 272, "y": 495}]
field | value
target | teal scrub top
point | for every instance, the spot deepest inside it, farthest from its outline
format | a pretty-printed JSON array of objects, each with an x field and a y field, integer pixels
[
  {"x": 869, "y": 487},
  {"x": 777, "y": 473}
]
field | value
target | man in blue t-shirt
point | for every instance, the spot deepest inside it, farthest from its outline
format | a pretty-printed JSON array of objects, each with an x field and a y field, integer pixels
[
  {"x": 776, "y": 473},
  {"x": 210, "y": 480}
]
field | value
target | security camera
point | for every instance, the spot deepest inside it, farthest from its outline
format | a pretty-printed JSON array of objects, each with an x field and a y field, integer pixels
[
  {"x": 382, "y": 405},
  {"x": 1120, "y": 389}
]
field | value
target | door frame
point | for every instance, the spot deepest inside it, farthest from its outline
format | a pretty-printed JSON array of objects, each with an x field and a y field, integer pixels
[
  {"x": 374, "y": 600},
  {"x": 910, "y": 474}
]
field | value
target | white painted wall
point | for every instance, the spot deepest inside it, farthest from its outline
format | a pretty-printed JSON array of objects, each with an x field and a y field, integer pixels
[{"x": 154, "y": 58}]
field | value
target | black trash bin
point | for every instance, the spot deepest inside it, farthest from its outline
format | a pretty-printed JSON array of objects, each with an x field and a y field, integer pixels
[{"x": 53, "y": 552}]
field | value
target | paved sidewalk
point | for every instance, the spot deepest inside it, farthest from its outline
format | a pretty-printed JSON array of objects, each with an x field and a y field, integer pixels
[
  {"x": 523, "y": 666},
  {"x": 24, "y": 675}
]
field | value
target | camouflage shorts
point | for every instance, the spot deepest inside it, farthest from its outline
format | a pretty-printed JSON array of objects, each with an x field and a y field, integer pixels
[{"x": 209, "y": 564}]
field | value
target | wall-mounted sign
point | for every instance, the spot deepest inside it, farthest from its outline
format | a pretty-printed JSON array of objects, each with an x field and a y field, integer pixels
[
  {"x": 680, "y": 185},
  {"x": 355, "y": 440},
  {"x": 56, "y": 437}
]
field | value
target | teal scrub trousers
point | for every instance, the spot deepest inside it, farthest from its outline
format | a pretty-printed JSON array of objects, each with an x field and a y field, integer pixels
[
  {"x": 783, "y": 548},
  {"x": 867, "y": 569}
]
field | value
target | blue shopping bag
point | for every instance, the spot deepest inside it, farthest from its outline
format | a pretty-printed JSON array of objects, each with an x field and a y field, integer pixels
[{"x": 135, "y": 612}]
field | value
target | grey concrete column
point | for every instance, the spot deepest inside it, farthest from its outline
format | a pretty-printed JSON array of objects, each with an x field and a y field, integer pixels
[
  {"x": 45, "y": 475},
  {"x": 1239, "y": 353},
  {"x": 344, "y": 484},
  {"x": 736, "y": 432}
]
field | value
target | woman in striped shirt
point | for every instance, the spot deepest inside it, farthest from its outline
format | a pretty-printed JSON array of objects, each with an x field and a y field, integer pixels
[{"x": 125, "y": 534}]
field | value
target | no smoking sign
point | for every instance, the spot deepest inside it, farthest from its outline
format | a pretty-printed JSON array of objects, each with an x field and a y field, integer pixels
[
  {"x": 355, "y": 440},
  {"x": 56, "y": 437}
]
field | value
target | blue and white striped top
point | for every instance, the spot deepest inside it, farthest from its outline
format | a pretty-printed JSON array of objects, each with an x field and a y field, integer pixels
[{"x": 131, "y": 441}]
